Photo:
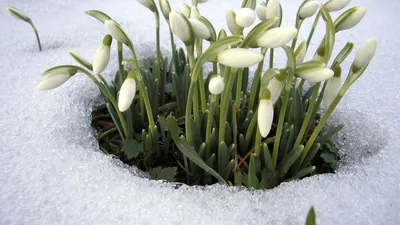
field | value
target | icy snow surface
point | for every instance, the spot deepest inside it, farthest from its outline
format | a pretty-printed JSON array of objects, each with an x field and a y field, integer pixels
[{"x": 51, "y": 171}]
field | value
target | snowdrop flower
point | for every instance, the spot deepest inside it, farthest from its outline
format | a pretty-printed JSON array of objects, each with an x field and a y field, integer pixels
[
  {"x": 332, "y": 89},
  {"x": 149, "y": 4},
  {"x": 102, "y": 55},
  {"x": 165, "y": 8},
  {"x": 115, "y": 30},
  {"x": 300, "y": 52},
  {"x": 273, "y": 9},
  {"x": 184, "y": 9},
  {"x": 265, "y": 113},
  {"x": 277, "y": 37},
  {"x": 365, "y": 53},
  {"x": 261, "y": 11},
  {"x": 336, "y": 5},
  {"x": 245, "y": 17},
  {"x": 275, "y": 85},
  {"x": 17, "y": 14},
  {"x": 194, "y": 12},
  {"x": 126, "y": 94},
  {"x": 308, "y": 9},
  {"x": 239, "y": 57},
  {"x": 315, "y": 74},
  {"x": 350, "y": 18},
  {"x": 56, "y": 79},
  {"x": 200, "y": 30},
  {"x": 216, "y": 85},
  {"x": 230, "y": 20},
  {"x": 180, "y": 26}
]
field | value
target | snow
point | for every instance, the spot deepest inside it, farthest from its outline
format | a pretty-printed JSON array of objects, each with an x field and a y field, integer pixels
[{"x": 51, "y": 171}]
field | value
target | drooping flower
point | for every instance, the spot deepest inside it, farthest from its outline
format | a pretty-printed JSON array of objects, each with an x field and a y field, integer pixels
[
  {"x": 265, "y": 113},
  {"x": 261, "y": 11},
  {"x": 315, "y": 74},
  {"x": 336, "y": 5},
  {"x": 308, "y": 9},
  {"x": 184, "y": 9},
  {"x": 239, "y": 57},
  {"x": 165, "y": 8},
  {"x": 365, "y": 53},
  {"x": 148, "y": 4},
  {"x": 273, "y": 9},
  {"x": 180, "y": 26},
  {"x": 115, "y": 30},
  {"x": 275, "y": 86},
  {"x": 16, "y": 13},
  {"x": 102, "y": 55},
  {"x": 200, "y": 30},
  {"x": 332, "y": 89},
  {"x": 350, "y": 18},
  {"x": 126, "y": 94},
  {"x": 56, "y": 76},
  {"x": 277, "y": 37},
  {"x": 216, "y": 85},
  {"x": 230, "y": 20},
  {"x": 245, "y": 17}
]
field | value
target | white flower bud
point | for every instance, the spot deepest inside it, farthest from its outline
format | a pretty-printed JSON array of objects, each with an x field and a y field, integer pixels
[
  {"x": 265, "y": 116},
  {"x": 184, "y": 9},
  {"x": 300, "y": 52},
  {"x": 230, "y": 20},
  {"x": 165, "y": 8},
  {"x": 276, "y": 87},
  {"x": 261, "y": 11},
  {"x": 336, "y": 5},
  {"x": 350, "y": 21},
  {"x": 308, "y": 9},
  {"x": 316, "y": 74},
  {"x": 239, "y": 57},
  {"x": 102, "y": 55},
  {"x": 273, "y": 9},
  {"x": 180, "y": 27},
  {"x": 17, "y": 14},
  {"x": 245, "y": 17},
  {"x": 277, "y": 37},
  {"x": 149, "y": 4},
  {"x": 126, "y": 94},
  {"x": 332, "y": 89},
  {"x": 216, "y": 85},
  {"x": 200, "y": 30},
  {"x": 365, "y": 53},
  {"x": 115, "y": 30},
  {"x": 53, "y": 81}
]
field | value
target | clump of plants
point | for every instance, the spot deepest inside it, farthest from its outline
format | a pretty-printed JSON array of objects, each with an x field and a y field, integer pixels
[{"x": 180, "y": 122}]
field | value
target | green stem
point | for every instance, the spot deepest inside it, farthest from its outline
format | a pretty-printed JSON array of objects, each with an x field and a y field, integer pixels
[
  {"x": 225, "y": 104},
  {"x": 314, "y": 26},
  {"x": 37, "y": 36},
  {"x": 196, "y": 113},
  {"x": 173, "y": 49},
  {"x": 215, "y": 68},
  {"x": 120, "y": 58},
  {"x": 160, "y": 78},
  {"x": 298, "y": 26},
  {"x": 257, "y": 147},
  {"x": 271, "y": 58},
  {"x": 256, "y": 81},
  {"x": 250, "y": 129},
  {"x": 210, "y": 119},
  {"x": 281, "y": 121},
  {"x": 239, "y": 89}
]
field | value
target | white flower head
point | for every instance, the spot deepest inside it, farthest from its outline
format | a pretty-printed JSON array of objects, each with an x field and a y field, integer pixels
[
  {"x": 277, "y": 37},
  {"x": 200, "y": 30},
  {"x": 336, "y": 5},
  {"x": 184, "y": 9},
  {"x": 350, "y": 18},
  {"x": 115, "y": 30},
  {"x": 216, "y": 85},
  {"x": 126, "y": 94},
  {"x": 332, "y": 89},
  {"x": 239, "y": 57},
  {"x": 308, "y": 9},
  {"x": 230, "y": 20},
  {"x": 265, "y": 113},
  {"x": 148, "y": 4},
  {"x": 102, "y": 55},
  {"x": 261, "y": 11},
  {"x": 56, "y": 76},
  {"x": 275, "y": 86},
  {"x": 180, "y": 26},
  {"x": 273, "y": 9},
  {"x": 165, "y": 8},
  {"x": 316, "y": 74},
  {"x": 18, "y": 14},
  {"x": 365, "y": 53},
  {"x": 245, "y": 17}
]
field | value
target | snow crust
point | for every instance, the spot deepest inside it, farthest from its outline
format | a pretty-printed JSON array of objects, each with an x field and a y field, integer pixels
[{"x": 51, "y": 171}]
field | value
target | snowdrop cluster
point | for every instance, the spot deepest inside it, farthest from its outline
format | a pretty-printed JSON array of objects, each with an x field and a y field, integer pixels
[{"x": 219, "y": 136}]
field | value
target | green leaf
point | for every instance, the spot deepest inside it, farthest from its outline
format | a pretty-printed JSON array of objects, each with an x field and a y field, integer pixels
[
  {"x": 167, "y": 173},
  {"x": 328, "y": 157},
  {"x": 223, "y": 157},
  {"x": 101, "y": 16},
  {"x": 330, "y": 35},
  {"x": 188, "y": 150},
  {"x": 304, "y": 172},
  {"x": 289, "y": 159},
  {"x": 252, "y": 180},
  {"x": 266, "y": 159},
  {"x": 132, "y": 148},
  {"x": 310, "y": 155},
  {"x": 311, "y": 218},
  {"x": 216, "y": 47},
  {"x": 329, "y": 134}
]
